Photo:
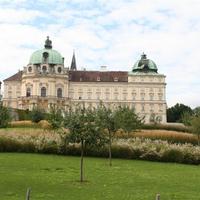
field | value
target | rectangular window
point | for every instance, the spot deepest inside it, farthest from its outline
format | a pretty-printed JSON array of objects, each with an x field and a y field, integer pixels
[
  {"x": 142, "y": 96},
  {"x": 142, "y": 108},
  {"x": 151, "y": 96}
]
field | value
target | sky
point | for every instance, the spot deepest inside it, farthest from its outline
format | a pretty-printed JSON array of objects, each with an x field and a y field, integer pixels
[{"x": 113, "y": 33}]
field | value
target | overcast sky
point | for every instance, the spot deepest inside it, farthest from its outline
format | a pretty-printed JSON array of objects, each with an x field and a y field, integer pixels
[{"x": 108, "y": 32}]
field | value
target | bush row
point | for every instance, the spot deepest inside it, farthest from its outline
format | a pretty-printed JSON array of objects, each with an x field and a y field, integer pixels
[
  {"x": 23, "y": 124},
  {"x": 44, "y": 124},
  {"x": 170, "y": 136},
  {"x": 169, "y": 127},
  {"x": 137, "y": 148}
]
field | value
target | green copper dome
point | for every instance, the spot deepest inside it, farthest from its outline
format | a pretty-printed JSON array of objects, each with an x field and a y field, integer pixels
[
  {"x": 145, "y": 65},
  {"x": 46, "y": 55}
]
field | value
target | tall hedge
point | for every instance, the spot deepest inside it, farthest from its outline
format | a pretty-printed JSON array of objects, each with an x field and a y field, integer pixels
[{"x": 5, "y": 116}]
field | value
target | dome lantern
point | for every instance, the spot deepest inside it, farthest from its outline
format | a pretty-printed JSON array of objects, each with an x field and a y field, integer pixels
[
  {"x": 48, "y": 43},
  {"x": 145, "y": 65},
  {"x": 46, "y": 55}
]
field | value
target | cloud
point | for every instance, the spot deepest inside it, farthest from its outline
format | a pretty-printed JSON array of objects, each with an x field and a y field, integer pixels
[
  {"x": 18, "y": 16},
  {"x": 112, "y": 33}
]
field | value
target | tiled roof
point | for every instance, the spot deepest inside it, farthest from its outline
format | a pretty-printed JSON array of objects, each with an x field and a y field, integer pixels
[
  {"x": 15, "y": 77},
  {"x": 98, "y": 76},
  {"x": 86, "y": 76}
]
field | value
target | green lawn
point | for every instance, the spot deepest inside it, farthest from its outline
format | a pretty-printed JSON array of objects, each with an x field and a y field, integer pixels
[{"x": 56, "y": 178}]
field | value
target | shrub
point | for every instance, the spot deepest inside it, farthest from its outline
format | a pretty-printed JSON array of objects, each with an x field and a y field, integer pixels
[
  {"x": 11, "y": 145},
  {"x": 173, "y": 155},
  {"x": 37, "y": 115},
  {"x": 151, "y": 155},
  {"x": 122, "y": 151},
  {"x": 5, "y": 116},
  {"x": 23, "y": 124},
  {"x": 22, "y": 114},
  {"x": 135, "y": 148},
  {"x": 169, "y": 127},
  {"x": 122, "y": 134},
  {"x": 44, "y": 124},
  {"x": 170, "y": 136},
  {"x": 55, "y": 118},
  {"x": 49, "y": 149}
]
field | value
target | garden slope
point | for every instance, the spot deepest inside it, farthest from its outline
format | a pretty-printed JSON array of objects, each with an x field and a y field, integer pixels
[{"x": 56, "y": 177}]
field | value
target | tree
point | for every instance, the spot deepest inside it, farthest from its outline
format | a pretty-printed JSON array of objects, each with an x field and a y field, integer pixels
[
  {"x": 105, "y": 119},
  {"x": 37, "y": 114},
  {"x": 5, "y": 116},
  {"x": 55, "y": 118},
  {"x": 83, "y": 130},
  {"x": 196, "y": 111},
  {"x": 175, "y": 113},
  {"x": 126, "y": 119},
  {"x": 186, "y": 118},
  {"x": 195, "y": 123}
]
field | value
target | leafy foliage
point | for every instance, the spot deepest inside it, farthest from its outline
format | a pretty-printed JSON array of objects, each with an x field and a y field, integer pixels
[
  {"x": 84, "y": 130},
  {"x": 105, "y": 119},
  {"x": 126, "y": 119},
  {"x": 83, "y": 127},
  {"x": 5, "y": 116},
  {"x": 37, "y": 114},
  {"x": 196, "y": 111},
  {"x": 23, "y": 114},
  {"x": 55, "y": 118},
  {"x": 175, "y": 113},
  {"x": 195, "y": 123}
]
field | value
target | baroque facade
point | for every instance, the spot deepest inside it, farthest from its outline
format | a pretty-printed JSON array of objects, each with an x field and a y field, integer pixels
[{"x": 45, "y": 82}]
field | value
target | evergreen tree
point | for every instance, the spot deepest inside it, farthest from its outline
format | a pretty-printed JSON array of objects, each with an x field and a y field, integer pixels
[{"x": 174, "y": 114}]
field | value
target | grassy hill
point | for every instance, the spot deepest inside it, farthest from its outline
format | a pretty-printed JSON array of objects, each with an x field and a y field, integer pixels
[{"x": 56, "y": 177}]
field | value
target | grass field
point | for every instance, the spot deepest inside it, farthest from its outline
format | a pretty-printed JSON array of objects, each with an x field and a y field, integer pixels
[{"x": 56, "y": 178}]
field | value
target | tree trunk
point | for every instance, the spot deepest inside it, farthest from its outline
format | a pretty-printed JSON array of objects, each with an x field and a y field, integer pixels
[
  {"x": 82, "y": 154},
  {"x": 28, "y": 194},
  {"x": 109, "y": 149},
  {"x": 158, "y": 197}
]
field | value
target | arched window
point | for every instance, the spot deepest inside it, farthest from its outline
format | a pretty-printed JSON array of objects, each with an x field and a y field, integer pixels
[
  {"x": 44, "y": 69},
  {"x": 28, "y": 92},
  {"x": 59, "y": 69},
  {"x": 43, "y": 92},
  {"x": 59, "y": 92}
]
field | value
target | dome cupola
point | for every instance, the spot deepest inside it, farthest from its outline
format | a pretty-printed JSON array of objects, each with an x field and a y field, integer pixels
[
  {"x": 46, "y": 55},
  {"x": 145, "y": 65}
]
